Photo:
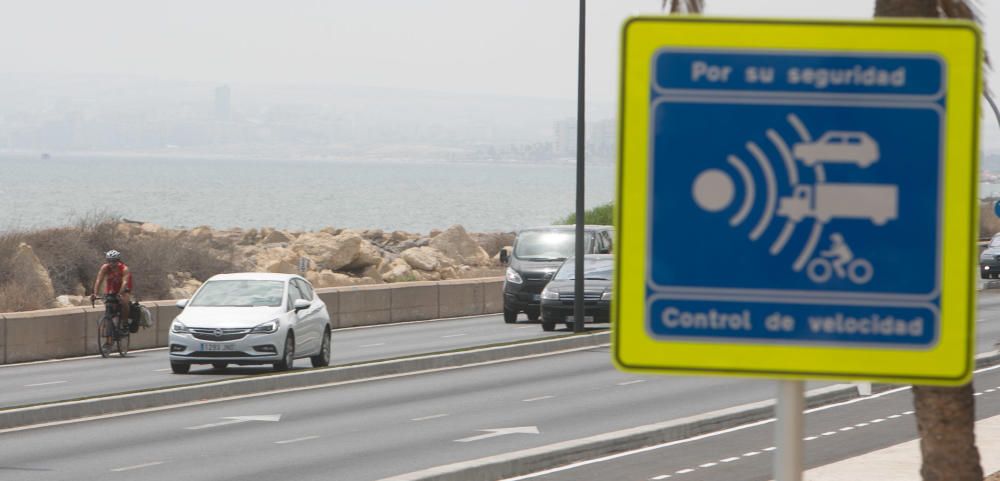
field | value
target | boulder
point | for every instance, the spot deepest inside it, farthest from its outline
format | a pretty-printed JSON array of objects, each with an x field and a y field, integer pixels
[
  {"x": 182, "y": 285},
  {"x": 201, "y": 233},
  {"x": 492, "y": 242},
  {"x": 368, "y": 255},
  {"x": 266, "y": 258},
  {"x": 250, "y": 237},
  {"x": 71, "y": 301},
  {"x": 372, "y": 272},
  {"x": 150, "y": 228},
  {"x": 398, "y": 236},
  {"x": 426, "y": 259},
  {"x": 331, "y": 230},
  {"x": 397, "y": 270},
  {"x": 328, "y": 251},
  {"x": 30, "y": 274},
  {"x": 457, "y": 244},
  {"x": 327, "y": 278},
  {"x": 276, "y": 237}
]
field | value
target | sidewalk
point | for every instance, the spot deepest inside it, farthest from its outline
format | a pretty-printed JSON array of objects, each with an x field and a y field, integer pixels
[{"x": 902, "y": 461}]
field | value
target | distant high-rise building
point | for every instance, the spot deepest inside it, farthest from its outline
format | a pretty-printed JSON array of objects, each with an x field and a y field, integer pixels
[
  {"x": 223, "y": 107},
  {"x": 565, "y": 141}
]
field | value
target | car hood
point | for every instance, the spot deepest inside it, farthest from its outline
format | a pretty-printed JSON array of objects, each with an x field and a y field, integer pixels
[
  {"x": 992, "y": 251},
  {"x": 589, "y": 285},
  {"x": 228, "y": 317}
]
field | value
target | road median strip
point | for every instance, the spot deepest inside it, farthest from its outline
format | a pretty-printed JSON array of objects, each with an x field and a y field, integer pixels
[
  {"x": 533, "y": 460},
  {"x": 123, "y": 403}
]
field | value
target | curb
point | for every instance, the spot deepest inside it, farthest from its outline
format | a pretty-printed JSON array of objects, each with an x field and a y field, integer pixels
[
  {"x": 313, "y": 378},
  {"x": 527, "y": 461}
]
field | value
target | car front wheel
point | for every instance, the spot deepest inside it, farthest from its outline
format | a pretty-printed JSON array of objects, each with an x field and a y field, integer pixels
[
  {"x": 180, "y": 367},
  {"x": 322, "y": 359},
  {"x": 509, "y": 316},
  {"x": 289, "y": 354}
]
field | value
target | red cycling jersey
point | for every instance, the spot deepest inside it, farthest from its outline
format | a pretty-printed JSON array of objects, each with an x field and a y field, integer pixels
[{"x": 114, "y": 278}]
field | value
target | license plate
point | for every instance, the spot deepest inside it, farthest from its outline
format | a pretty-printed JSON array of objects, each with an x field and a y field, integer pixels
[
  {"x": 536, "y": 297},
  {"x": 218, "y": 347}
]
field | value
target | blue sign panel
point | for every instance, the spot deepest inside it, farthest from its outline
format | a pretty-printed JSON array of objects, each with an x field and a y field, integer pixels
[{"x": 808, "y": 183}]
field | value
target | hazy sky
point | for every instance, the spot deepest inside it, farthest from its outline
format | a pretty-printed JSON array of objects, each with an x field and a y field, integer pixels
[{"x": 517, "y": 47}]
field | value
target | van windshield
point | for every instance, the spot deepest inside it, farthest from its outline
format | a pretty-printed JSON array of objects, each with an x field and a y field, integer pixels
[{"x": 548, "y": 245}]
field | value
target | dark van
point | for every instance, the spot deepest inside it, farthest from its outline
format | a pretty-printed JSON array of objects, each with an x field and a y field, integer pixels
[{"x": 536, "y": 255}]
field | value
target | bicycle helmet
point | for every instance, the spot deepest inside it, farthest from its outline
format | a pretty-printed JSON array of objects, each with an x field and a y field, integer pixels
[{"x": 113, "y": 255}]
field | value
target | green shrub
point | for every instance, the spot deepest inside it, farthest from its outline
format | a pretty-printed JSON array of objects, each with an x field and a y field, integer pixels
[{"x": 600, "y": 215}]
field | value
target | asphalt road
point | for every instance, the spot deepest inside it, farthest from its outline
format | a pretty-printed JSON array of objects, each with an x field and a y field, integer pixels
[
  {"x": 80, "y": 377},
  {"x": 832, "y": 433},
  {"x": 370, "y": 430}
]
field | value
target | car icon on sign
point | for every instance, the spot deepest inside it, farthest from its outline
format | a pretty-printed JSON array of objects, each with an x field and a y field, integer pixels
[{"x": 840, "y": 147}]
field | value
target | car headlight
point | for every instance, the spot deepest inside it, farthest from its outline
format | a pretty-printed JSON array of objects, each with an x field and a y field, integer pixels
[
  {"x": 179, "y": 328},
  {"x": 550, "y": 295},
  {"x": 513, "y": 277},
  {"x": 266, "y": 328},
  {"x": 606, "y": 296}
]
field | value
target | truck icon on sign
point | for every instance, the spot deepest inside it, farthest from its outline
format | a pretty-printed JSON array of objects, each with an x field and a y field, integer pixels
[
  {"x": 839, "y": 147},
  {"x": 875, "y": 202}
]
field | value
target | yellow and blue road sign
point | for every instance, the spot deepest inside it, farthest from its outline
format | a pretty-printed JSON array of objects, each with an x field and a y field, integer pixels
[{"x": 798, "y": 198}]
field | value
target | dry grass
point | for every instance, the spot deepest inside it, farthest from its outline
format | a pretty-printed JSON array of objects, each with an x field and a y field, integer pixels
[{"x": 72, "y": 256}]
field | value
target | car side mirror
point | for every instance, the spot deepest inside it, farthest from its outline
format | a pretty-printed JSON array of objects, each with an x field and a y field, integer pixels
[
  {"x": 504, "y": 256},
  {"x": 301, "y": 304},
  {"x": 181, "y": 304}
]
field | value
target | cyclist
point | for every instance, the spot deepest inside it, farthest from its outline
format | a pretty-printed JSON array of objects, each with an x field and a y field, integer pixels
[
  {"x": 840, "y": 254},
  {"x": 119, "y": 282}
]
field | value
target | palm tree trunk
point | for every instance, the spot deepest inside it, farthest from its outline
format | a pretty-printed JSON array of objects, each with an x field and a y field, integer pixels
[{"x": 946, "y": 416}]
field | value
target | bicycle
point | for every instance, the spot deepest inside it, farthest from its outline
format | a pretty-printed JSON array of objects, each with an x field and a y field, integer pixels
[{"x": 109, "y": 329}]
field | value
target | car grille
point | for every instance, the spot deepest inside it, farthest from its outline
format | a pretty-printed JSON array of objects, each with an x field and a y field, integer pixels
[
  {"x": 206, "y": 334},
  {"x": 587, "y": 296}
]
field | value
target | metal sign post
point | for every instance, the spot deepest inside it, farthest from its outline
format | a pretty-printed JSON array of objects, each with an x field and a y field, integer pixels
[{"x": 789, "y": 430}]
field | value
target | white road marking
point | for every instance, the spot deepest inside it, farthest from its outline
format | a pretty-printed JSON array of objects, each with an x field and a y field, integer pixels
[
  {"x": 290, "y": 441},
  {"x": 978, "y": 394},
  {"x": 876, "y": 421},
  {"x": 810, "y": 438},
  {"x": 626, "y": 383},
  {"x": 860, "y": 425},
  {"x": 708, "y": 465},
  {"x": 373, "y": 345},
  {"x": 751, "y": 453},
  {"x": 45, "y": 383},
  {"x": 662, "y": 476},
  {"x": 908, "y": 412},
  {"x": 425, "y": 418},
  {"x": 729, "y": 460},
  {"x": 685, "y": 471},
  {"x": 161, "y": 370},
  {"x": 137, "y": 466},
  {"x": 848, "y": 428},
  {"x": 539, "y": 398},
  {"x": 894, "y": 416},
  {"x": 829, "y": 433},
  {"x": 492, "y": 433},
  {"x": 525, "y": 327},
  {"x": 772, "y": 448},
  {"x": 273, "y": 418},
  {"x": 990, "y": 390},
  {"x": 454, "y": 335}
]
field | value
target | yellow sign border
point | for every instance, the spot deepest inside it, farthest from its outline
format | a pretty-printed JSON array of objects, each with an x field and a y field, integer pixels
[{"x": 950, "y": 360}]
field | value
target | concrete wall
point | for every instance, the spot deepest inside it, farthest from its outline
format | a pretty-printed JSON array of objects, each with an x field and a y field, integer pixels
[{"x": 72, "y": 331}]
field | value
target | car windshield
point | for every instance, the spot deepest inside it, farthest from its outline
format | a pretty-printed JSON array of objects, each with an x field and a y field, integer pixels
[
  {"x": 593, "y": 269},
  {"x": 995, "y": 242},
  {"x": 547, "y": 245},
  {"x": 240, "y": 293}
]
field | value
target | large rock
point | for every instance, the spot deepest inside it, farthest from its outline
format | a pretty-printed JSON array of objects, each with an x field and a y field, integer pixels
[
  {"x": 30, "y": 274},
  {"x": 327, "y": 278},
  {"x": 426, "y": 259},
  {"x": 398, "y": 270},
  {"x": 72, "y": 301},
  {"x": 457, "y": 244},
  {"x": 150, "y": 228},
  {"x": 368, "y": 256},
  {"x": 276, "y": 237},
  {"x": 182, "y": 285},
  {"x": 201, "y": 233},
  {"x": 328, "y": 251},
  {"x": 492, "y": 242},
  {"x": 266, "y": 259}
]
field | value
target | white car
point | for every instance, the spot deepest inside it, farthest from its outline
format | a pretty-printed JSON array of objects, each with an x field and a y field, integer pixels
[
  {"x": 839, "y": 147},
  {"x": 250, "y": 318}
]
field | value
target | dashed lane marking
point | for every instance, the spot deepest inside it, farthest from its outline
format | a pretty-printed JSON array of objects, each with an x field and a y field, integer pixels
[
  {"x": 729, "y": 460},
  {"x": 685, "y": 471},
  {"x": 662, "y": 476},
  {"x": 433, "y": 416},
  {"x": 707, "y": 465},
  {"x": 454, "y": 335},
  {"x": 137, "y": 466},
  {"x": 539, "y": 398},
  {"x": 296, "y": 440},
  {"x": 628, "y": 383},
  {"x": 373, "y": 345},
  {"x": 45, "y": 383}
]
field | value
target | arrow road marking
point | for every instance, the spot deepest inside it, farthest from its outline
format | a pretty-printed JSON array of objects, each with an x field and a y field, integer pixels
[
  {"x": 238, "y": 419},
  {"x": 492, "y": 433}
]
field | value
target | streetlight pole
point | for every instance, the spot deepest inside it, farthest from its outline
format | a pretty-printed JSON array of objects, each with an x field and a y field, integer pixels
[{"x": 578, "y": 310}]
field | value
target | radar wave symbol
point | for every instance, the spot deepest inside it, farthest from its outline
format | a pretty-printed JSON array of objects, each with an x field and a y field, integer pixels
[{"x": 714, "y": 190}]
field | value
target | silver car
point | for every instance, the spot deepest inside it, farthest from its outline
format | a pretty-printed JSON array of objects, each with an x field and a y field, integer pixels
[{"x": 250, "y": 318}]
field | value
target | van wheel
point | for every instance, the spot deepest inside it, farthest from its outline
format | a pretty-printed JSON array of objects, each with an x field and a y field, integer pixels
[
  {"x": 533, "y": 315},
  {"x": 548, "y": 325},
  {"x": 509, "y": 316}
]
